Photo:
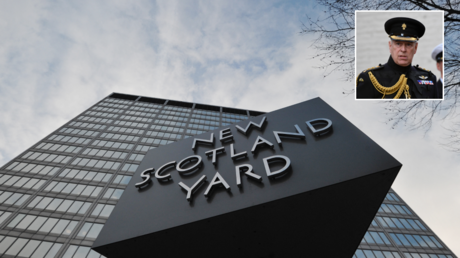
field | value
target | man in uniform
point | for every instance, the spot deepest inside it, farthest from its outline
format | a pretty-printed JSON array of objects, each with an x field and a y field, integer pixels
[
  {"x": 398, "y": 79},
  {"x": 437, "y": 56}
]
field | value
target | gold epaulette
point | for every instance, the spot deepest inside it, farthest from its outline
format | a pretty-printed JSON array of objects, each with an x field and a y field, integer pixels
[
  {"x": 373, "y": 68},
  {"x": 420, "y": 68},
  {"x": 368, "y": 69}
]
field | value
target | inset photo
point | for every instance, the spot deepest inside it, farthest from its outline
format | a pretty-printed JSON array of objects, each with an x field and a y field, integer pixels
[{"x": 399, "y": 55}]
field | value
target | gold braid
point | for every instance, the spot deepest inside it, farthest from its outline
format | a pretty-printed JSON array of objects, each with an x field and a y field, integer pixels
[{"x": 399, "y": 87}]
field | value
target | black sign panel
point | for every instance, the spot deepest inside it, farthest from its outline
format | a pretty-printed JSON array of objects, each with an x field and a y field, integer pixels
[{"x": 292, "y": 183}]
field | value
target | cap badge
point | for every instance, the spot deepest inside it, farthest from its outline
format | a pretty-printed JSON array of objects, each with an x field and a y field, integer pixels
[{"x": 404, "y": 26}]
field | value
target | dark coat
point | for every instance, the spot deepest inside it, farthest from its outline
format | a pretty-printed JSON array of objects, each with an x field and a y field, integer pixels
[
  {"x": 439, "y": 86},
  {"x": 421, "y": 82}
]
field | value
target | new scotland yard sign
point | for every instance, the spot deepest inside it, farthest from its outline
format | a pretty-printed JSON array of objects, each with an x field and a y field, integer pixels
[{"x": 289, "y": 183}]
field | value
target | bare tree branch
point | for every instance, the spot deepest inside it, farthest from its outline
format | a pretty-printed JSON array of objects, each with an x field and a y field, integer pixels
[{"x": 335, "y": 46}]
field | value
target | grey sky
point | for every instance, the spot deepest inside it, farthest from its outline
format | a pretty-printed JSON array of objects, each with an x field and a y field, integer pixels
[{"x": 59, "y": 57}]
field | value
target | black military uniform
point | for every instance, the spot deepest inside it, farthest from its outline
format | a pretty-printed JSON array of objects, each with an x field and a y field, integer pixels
[
  {"x": 439, "y": 86},
  {"x": 392, "y": 80},
  {"x": 421, "y": 82}
]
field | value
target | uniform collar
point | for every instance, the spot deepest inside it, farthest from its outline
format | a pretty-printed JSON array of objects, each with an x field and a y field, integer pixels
[{"x": 398, "y": 68}]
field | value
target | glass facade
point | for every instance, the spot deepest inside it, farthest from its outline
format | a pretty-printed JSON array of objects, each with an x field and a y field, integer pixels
[
  {"x": 56, "y": 196},
  {"x": 397, "y": 232}
]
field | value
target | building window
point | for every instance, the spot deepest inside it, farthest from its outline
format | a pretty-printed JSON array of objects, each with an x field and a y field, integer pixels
[
  {"x": 14, "y": 199},
  {"x": 400, "y": 223},
  {"x": 33, "y": 168},
  {"x": 375, "y": 238},
  {"x": 85, "y": 175},
  {"x": 46, "y": 157},
  {"x": 360, "y": 253},
  {"x": 94, "y": 119},
  {"x": 392, "y": 197},
  {"x": 129, "y": 123},
  {"x": 90, "y": 230},
  {"x": 420, "y": 255},
  {"x": 63, "y": 138},
  {"x": 136, "y": 157},
  {"x": 96, "y": 163},
  {"x": 144, "y": 148},
  {"x": 42, "y": 224},
  {"x": 105, "y": 153},
  {"x": 4, "y": 215},
  {"x": 408, "y": 240},
  {"x": 75, "y": 251},
  {"x": 113, "y": 193},
  {"x": 22, "y": 182},
  {"x": 110, "y": 144},
  {"x": 28, "y": 248},
  {"x": 103, "y": 210},
  {"x": 59, "y": 147},
  {"x": 78, "y": 131},
  {"x": 74, "y": 189},
  {"x": 129, "y": 167},
  {"x": 395, "y": 209},
  {"x": 122, "y": 180},
  {"x": 88, "y": 125},
  {"x": 59, "y": 205}
]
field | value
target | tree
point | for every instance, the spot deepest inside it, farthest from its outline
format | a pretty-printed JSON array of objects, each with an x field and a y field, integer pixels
[{"x": 335, "y": 43}]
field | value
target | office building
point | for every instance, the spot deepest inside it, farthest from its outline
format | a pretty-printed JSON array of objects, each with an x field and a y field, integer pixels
[{"x": 56, "y": 196}]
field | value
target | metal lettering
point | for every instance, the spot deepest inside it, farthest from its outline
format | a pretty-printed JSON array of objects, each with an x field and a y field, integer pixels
[
  {"x": 189, "y": 159},
  {"x": 191, "y": 190},
  {"x": 203, "y": 141},
  {"x": 260, "y": 141},
  {"x": 320, "y": 121},
  {"x": 226, "y": 135},
  {"x": 217, "y": 180},
  {"x": 299, "y": 134},
  {"x": 251, "y": 124},
  {"x": 248, "y": 170},
  {"x": 164, "y": 167},
  {"x": 214, "y": 154},
  {"x": 146, "y": 176},
  {"x": 272, "y": 174},
  {"x": 234, "y": 156}
]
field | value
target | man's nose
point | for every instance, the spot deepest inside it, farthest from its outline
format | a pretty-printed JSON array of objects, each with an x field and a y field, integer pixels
[{"x": 403, "y": 48}]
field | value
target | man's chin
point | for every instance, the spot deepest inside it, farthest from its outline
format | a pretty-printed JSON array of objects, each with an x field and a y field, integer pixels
[{"x": 403, "y": 63}]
